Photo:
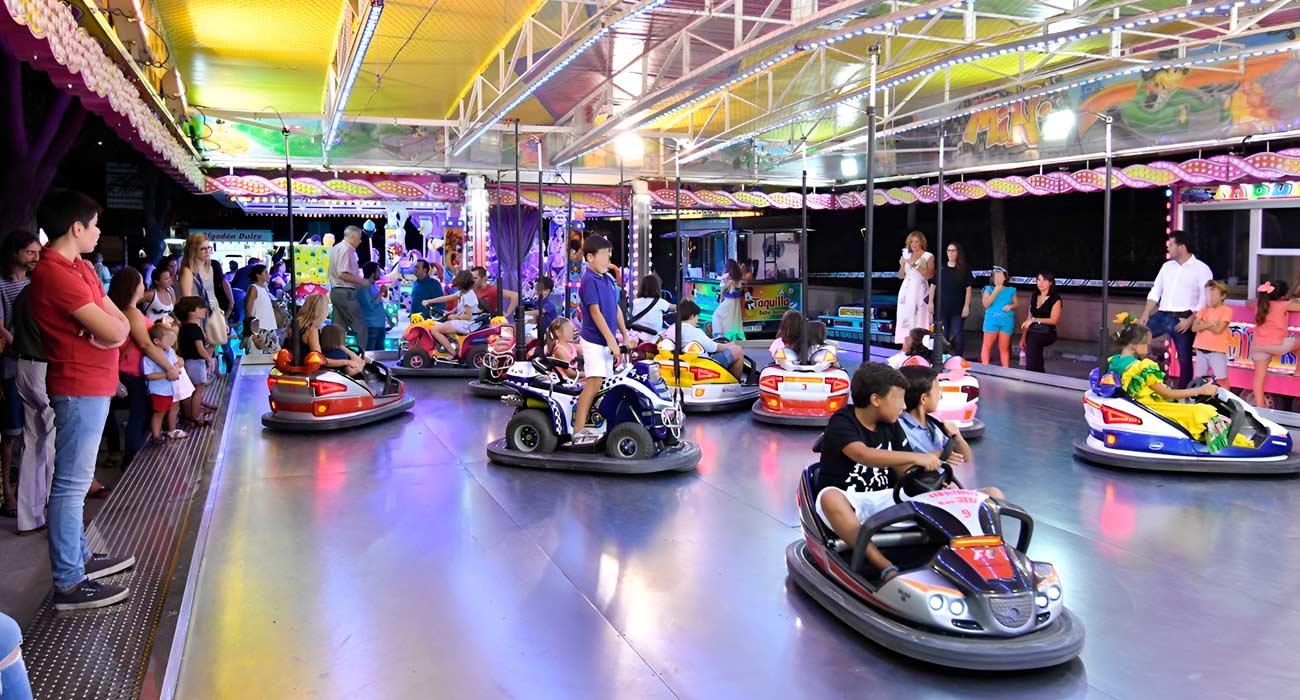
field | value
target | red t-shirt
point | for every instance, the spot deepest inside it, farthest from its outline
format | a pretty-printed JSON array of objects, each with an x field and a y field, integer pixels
[
  {"x": 76, "y": 368},
  {"x": 487, "y": 297}
]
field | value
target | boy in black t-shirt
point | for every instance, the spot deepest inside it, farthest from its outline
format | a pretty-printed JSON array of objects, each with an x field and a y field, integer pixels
[{"x": 864, "y": 450}]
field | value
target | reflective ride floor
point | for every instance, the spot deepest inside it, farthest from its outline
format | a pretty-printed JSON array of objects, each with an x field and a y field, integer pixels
[{"x": 395, "y": 562}]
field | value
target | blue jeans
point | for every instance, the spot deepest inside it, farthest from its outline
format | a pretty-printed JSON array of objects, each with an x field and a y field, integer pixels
[
  {"x": 13, "y": 678},
  {"x": 138, "y": 415},
  {"x": 1162, "y": 323},
  {"x": 78, "y": 427},
  {"x": 374, "y": 339}
]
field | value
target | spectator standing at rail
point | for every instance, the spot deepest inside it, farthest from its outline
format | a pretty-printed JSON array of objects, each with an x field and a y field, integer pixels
[
  {"x": 19, "y": 254},
  {"x": 1175, "y": 298},
  {"x": 81, "y": 330}
]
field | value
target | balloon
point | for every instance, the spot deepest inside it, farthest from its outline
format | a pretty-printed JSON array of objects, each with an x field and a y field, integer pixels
[
  {"x": 328, "y": 240},
  {"x": 369, "y": 226}
]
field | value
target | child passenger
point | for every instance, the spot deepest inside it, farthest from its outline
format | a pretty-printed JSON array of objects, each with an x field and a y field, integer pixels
[
  {"x": 560, "y": 345},
  {"x": 790, "y": 333},
  {"x": 924, "y": 432},
  {"x": 865, "y": 450},
  {"x": 333, "y": 345},
  {"x": 1141, "y": 380},
  {"x": 728, "y": 355}
]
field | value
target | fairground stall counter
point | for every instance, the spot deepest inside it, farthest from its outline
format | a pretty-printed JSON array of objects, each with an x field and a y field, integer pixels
[
  {"x": 770, "y": 258},
  {"x": 1248, "y": 234}
]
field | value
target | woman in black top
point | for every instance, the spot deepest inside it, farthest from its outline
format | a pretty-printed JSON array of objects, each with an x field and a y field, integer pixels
[
  {"x": 1040, "y": 328},
  {"x": 956, "y": 281}
]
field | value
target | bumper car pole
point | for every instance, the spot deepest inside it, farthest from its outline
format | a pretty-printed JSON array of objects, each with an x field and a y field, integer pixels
[
  {"x": 1103, "y": 362},
  {"x": 681, "y": 276},
  {"x": 940, "y": 258},
  {"x": 868, "y": 210}
]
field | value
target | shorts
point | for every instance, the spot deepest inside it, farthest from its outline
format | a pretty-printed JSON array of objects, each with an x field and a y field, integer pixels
[
  {"x": 161, "y": 403},
  {"x": 11, "y": 411},
  {"x": 1000, "y": 324},
  {"x": 462, "y": 326},
  {"x": 1263, "y": 352},
  {"x": 197, "y": 371},
  {"x": 865, "y": 503},
  {"x": 597, "y": 360},
  {"x": 723, "y": 357},
  {"x": 1210, "y": 364}
]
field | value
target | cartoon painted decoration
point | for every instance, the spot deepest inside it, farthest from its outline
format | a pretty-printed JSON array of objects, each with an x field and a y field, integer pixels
[{"x": 312, "y": 263}]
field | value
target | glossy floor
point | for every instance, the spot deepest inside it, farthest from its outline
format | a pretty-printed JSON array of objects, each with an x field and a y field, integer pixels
[{"x": 394, "y": 562}]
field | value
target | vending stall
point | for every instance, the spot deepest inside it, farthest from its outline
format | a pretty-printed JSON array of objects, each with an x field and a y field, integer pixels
[
  {"x": 1248, "y": 234},
  {"x": 770, "y": 259}
]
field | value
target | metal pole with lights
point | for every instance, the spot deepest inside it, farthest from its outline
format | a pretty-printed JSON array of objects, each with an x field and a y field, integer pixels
[
  {"x": 564, "y": 234},
  {"x": 1056, "y": 127}
]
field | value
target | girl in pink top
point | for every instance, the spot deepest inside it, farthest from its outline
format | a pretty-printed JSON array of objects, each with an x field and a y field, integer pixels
[
  {"x": 560, "y": 345},
  {"x": 1271, "y": 339}
]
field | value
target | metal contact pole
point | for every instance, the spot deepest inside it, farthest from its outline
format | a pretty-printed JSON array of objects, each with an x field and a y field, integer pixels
[
  {"x": 519, "y": 220},
  {"x": 938, "y": 246},
  {"x": 568, "y": 225},
  {"x": 288, "y": 189},
  {"x": 681, "y": 275},
  {"x": 869, "y": 207},
  {"x": 803, "y": 237},
  {"x": 519, "y": 305},
  {"x": 1103, "y": 361}
]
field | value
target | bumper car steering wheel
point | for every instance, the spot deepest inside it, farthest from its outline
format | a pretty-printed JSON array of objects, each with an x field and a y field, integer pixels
[{"x": 918, "y": 480}]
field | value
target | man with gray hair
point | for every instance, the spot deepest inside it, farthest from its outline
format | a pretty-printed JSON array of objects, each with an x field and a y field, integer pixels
[{"x": 345, "y": 278}]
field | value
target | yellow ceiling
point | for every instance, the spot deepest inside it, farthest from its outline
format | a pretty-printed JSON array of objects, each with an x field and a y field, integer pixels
[
  {"x": 248, "y": 54},
  {"x": 442, "y": 53}
]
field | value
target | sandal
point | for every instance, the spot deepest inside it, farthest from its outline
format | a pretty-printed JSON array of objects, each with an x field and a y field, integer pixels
[
  {"x": 8, "y": 511},
  {"x": 100, "y": 493},
  {"x": 177, "y": 434},
  {"x": 888, "y": 574}
]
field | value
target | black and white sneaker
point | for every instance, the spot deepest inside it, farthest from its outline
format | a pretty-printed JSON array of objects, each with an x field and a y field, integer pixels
[
  {"x": 89, "y": 595},
  {"x": 101, "y": 565}
]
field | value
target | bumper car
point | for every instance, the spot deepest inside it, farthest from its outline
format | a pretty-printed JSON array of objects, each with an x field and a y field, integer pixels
[
  {"x": 963, "y": 598},
  {"x": 1128, "y": 434},
  {"x": 640, "y": 426},
  {"x": 499, "y": 359},
  {"x": 418, "y": 355},
  {"x": 801, "y": 395},
  {"x": 960, "y": 395},
  {"x": 305, "y": 396},
  {"x": 706, "y": 385}
]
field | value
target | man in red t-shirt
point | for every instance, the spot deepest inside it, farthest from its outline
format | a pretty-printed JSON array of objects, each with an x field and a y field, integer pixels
[
  {"x": 81, "y": 330},
  {"x": 487, "y": 294}
]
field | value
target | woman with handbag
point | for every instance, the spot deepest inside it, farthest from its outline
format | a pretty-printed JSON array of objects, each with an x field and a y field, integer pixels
[
  {"x": 1039, "y": 330},
  {"x": 200, "y": 276}
]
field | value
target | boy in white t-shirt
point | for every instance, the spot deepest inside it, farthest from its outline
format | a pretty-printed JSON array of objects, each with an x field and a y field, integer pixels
[{"x": 728, "y": 355}]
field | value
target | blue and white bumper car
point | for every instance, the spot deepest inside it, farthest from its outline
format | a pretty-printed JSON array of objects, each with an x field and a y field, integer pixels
[{"x": 1128, "y": 434}]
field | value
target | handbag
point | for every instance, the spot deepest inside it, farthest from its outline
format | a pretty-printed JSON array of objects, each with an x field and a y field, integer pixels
[{"x": 216, "y": 330}]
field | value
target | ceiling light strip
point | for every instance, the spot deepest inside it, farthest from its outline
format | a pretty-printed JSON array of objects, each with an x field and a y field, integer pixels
[
  {"x": 1043, "y": 44},
  {"x": 368, "y": 26},
  {"x": 535, "y": 85}
]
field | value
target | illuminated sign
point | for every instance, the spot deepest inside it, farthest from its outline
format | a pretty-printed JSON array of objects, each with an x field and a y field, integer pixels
[{"x": 1263, "y": 190}]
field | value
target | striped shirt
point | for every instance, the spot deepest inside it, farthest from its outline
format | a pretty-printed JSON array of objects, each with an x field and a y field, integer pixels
[{"x": 9, "y": 290}]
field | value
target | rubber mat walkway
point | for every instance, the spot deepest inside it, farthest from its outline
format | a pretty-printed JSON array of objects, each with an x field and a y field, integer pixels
[{"x": 102, "y": 654}]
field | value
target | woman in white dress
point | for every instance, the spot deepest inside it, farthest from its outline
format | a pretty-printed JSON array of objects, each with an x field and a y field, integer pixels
[
  {"x": 727, "y": 320},
  {"x": 916, "y": 267}
]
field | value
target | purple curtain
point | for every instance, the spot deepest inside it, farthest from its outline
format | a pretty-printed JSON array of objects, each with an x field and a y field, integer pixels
[{"x": 509, "y": 241}]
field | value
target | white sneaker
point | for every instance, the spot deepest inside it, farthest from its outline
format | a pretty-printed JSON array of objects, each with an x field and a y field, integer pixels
[
  {"x": 178, "y": 434},
  {"x": 586, "y": 436}
]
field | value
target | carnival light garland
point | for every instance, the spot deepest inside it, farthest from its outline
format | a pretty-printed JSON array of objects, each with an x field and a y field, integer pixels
[
  {"x": 48, "y": 32},
  {"x": 1196, "y": 171}
]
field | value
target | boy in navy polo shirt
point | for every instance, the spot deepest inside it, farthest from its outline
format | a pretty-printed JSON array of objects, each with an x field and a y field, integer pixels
[{"x": 599, "y": 298}]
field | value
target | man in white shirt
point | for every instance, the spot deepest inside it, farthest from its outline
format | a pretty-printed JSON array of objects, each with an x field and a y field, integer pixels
[
  {"x": 345, "y": 278},
  {"x": 1177, "y": 295}
]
